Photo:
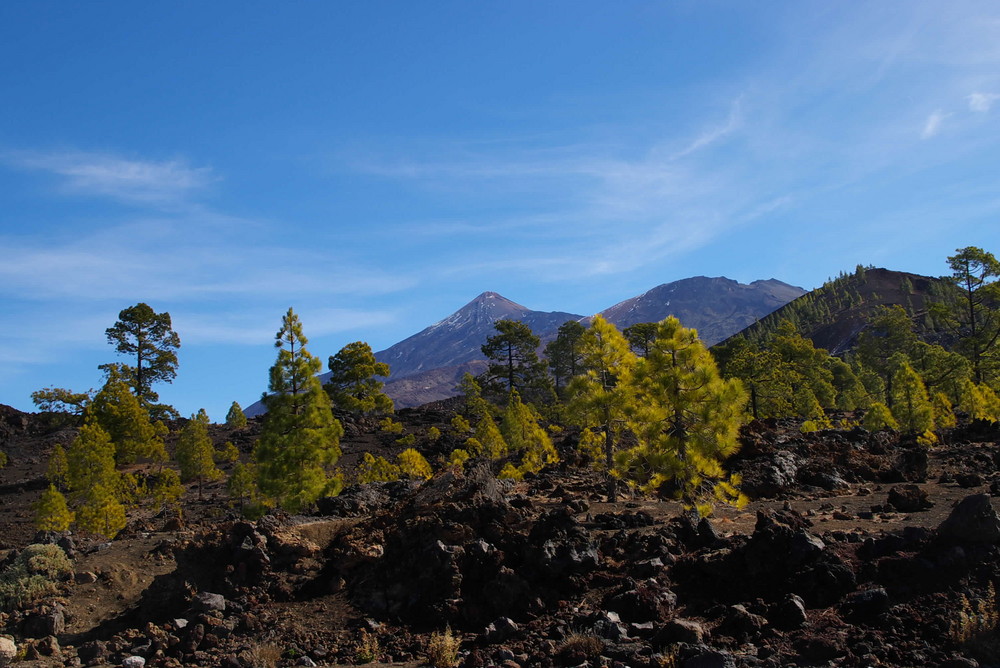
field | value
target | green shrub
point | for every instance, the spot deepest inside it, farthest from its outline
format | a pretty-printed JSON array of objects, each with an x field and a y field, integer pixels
[{"x": 32, "y": 576}]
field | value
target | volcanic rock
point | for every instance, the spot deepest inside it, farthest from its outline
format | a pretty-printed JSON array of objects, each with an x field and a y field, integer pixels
[{"x": 973, "y": 520}]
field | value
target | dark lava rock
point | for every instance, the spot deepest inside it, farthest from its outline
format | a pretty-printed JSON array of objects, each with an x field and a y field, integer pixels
[
  {"x": 49, "y": 623},
  {"x": 973, "y": 520},
  {"x": 789, "y": 613},
  {"x": 969, "y": 480},
  {"x": 624, "y": 520},
  {"x": 681, "y": 630},
  {"x": 644, "y": 602},
  {"x": 93, "y": 653},
  {"x": 909, "y": 499},
  {"x": 864, "y": 606}
]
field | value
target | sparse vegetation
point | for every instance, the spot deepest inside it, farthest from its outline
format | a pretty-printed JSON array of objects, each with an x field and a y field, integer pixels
[
  {"x": 442, "y": 649},
  {"x": 33, "y": 574}
]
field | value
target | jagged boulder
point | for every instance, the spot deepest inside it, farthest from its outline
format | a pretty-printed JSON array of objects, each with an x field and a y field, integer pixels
[{"x": 973, "y": 520}]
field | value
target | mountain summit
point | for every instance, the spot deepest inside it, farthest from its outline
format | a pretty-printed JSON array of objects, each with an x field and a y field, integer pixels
[
  {"x": 457, "y": 339},
  {"x": 717, "y": 307}
]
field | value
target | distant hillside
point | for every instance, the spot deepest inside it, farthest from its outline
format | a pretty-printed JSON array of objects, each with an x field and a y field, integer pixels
[
  {"x": 716, "y": 307},
  {"x": 835, "y": 314}
]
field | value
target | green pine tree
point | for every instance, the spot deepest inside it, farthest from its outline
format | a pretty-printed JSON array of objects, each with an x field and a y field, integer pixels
[
  {"x": 300, "y": 437},
  {"x": 236, "y": 418},
  {"x": 353, "y": 385},
  {"x": 126, "y": 422},
  {"x": 195, "y": 453}
]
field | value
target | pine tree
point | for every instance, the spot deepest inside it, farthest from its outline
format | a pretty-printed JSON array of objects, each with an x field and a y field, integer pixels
[
  {"x": 910, "y": 404},
  {"x": 944, "y": 414},
  {"x": 640, "y": 336},
  {"x": 242, "y": 485},
  {"x": 879, "y": 417},
  {"x": 51, "y": 511},
  {"x": 101, "y": 512},
  {"x": 91, "y": 461},
  {"x": 563, "y": 353},
  {"x": 376, "y": 469},
  {"x": 58, "y": 468},
  {"x": 165, "y": 488},
  {"x": 514, "y": 364},
  {"x": 300, "y": 436},
  {"x": 353, "y": 385},
  {"x": 93, "y": 479},
  {"x": 523, "y": 434},
  {"x": 236, "y": 418},
  {"x": 195, "y": 452},
  {"x": 126, "y": 422},
  {"x": 687, "y": 418},
  {"x": 972, "y": 312},
  {"x": 149, "y": 337},
  {"x": 413, "y": 465},
  {"x": 487, "y": 441},
  {"x": 603, "y": 396}
]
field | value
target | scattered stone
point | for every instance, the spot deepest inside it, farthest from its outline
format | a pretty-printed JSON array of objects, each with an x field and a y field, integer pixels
[
  {"x": 973, "y": 520},
  {"x": 133, "y": 662},
  {"x": 682, "y": 630},
  {"x": 209, "y": 602},
  {"x": 8, "y": 651},
  {"x": 500, "y": 630},
  {"x": 85, "y": 577},
  {"x": 789, "y": 613},
  {"x": 908, "y": 499},
  {"x": 866, "y": 605},
  {"x": 609, "y": 626}
]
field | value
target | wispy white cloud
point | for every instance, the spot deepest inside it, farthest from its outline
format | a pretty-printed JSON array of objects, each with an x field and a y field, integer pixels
[
  {"x": 712, "y": 135},
  {"x": 982, "y": 102},
  {"x": 932, "y": 126},
  {"x": 107, "y": 175},
  {"x": 257, "y": 326}
]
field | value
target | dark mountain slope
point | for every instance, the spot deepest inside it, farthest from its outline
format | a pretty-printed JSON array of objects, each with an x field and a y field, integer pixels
[
  {"x": 835, "y": 314},
  {"x": 716, "y": 307}
]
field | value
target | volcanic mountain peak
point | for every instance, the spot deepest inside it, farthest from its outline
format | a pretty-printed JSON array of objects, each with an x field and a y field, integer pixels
[{"x": 487, "y": 308}]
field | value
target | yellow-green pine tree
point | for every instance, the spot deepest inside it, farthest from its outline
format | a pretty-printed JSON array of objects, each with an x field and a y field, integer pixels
[
  {"x": 687, "y": 418},
  {"x": 51, "y": 511},
  {"x": 602, "y": 396},
  {"x": 92, "y": 480},
  {"x": 910, "y": 404},
  {"x": 376, "y": 469},
  {"x": 521, "y": 431},
  {"x": 101, "y": 512},
  {"x": 879, "y": 417},
  {"x": 58, "y": 468},
  {"x": 412, "y": 464}
]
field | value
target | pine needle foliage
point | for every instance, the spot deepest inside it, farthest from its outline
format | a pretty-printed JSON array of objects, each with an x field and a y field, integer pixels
[
  {"x": 300, "y": 437},
  {"x": 236, "y": 418},
  {"x": 52, "y": 513},
  {"x": 687, "y": 418},
  {"x": 195, "y": 453}
]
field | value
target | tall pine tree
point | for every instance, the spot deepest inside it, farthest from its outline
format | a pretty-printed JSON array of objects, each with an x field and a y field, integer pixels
[{"x": 300, "y": 437}]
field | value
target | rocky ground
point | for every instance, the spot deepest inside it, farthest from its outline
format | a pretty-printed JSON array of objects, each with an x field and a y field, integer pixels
[{"x": 857, "y": 550}]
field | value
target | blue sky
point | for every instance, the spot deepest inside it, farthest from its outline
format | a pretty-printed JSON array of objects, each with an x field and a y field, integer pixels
[{"x": 376, "y": 165}]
